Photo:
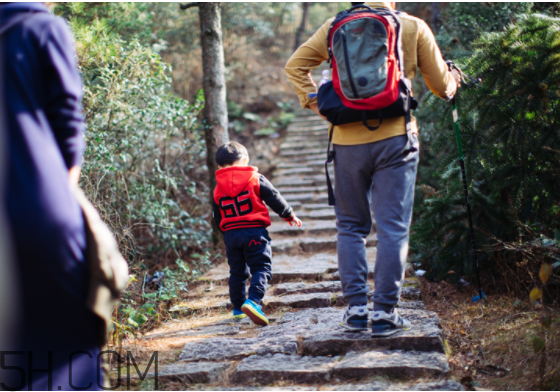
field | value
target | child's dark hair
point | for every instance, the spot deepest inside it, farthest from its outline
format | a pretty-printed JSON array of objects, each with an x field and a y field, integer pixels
[{"x": 230, "y": 152}]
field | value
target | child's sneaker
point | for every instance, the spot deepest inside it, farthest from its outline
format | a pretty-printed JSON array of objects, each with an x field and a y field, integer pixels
[
  {"x": 383, "y": 324},
  {"x": 254, "y": 312},
  {"x": 238, "y": 315},
  {"x": 355, "y": 318}
]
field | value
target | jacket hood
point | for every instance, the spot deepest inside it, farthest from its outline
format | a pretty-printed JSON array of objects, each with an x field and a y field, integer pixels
[
  {"x": 234, "y": 179},
  {"x": 10, "y": 10}
]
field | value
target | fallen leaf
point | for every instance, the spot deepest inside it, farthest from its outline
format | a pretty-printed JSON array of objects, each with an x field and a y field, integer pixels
[
  {"x": 535, "y": 295},
  {"x": 544, "y": 274}
]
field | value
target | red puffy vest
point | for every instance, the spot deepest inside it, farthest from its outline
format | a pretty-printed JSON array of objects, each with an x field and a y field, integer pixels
[{"x": 238, "y": 198}]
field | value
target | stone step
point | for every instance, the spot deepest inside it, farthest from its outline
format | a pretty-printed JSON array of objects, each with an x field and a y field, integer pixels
[
  {"x": 304, "y": 198},
  {"x": 288, "y": 268},
  {"x": 320, "y": 333},
  {"x": 310, "y": 151},
  {"x": 322, "y": 127},
  {"x": 303, "y": 144},
  {"x": 276, "y": 368},
  {"x": 221, "y": 349},
  {"x": 439, "y": 385},
  {"x": 398, "y": 364},
  {"x": 290, "y": 165},
  {"x": 326, "y": 214},
  {"x": 302, "y": 189},
  {"x": 270, "y": 369},
  {"x": 308, "y": 288},
  {"x": 311, "y": 228},
  {"x": 308, "y": 157},
  {"x": 306, "y": 115},
  {"x": 312, "y": 244},
  {"x": 187, "y": 372},
  {"x": 300, "y": 180},
  {"x": 300, "y": 301}
]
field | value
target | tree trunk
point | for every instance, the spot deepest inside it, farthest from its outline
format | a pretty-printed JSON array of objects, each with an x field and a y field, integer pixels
[
  {"x": 214, "y": 85},
  {"x": 436, "y": 16},
  {"x": 301, "y": 29}
]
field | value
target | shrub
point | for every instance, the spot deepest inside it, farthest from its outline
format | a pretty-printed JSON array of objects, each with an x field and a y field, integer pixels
[{"x": 511, "y": 142}]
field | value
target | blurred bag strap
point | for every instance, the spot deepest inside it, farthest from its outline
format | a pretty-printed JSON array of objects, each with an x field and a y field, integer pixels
[
  {"x": 108, "y": 268},
  {"x": 17, "y": 20}
]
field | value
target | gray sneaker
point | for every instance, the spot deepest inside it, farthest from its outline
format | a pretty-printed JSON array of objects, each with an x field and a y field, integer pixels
[
  {"x": 355, "y": 318},
  {"x": 383, "y": 324}
]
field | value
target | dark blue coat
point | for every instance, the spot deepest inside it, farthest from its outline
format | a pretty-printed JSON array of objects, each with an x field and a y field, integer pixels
[{"x": 42, "y": 92}]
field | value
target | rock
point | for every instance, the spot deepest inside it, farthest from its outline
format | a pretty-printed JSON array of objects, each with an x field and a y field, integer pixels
[
  {"x": 397, "y": 363},
  {"x": 411, "y": 293},
  {"x": 219, "y": 349},
  {"x": 306, "y": 288},
  {"x": 278, "y": 367},
  {"x": 283, "y": 388},
  {"x": 322, "y": 334},
  {"x": 443, "y": 385},
  {"x": 193, "y": 372},
  {"x": 411, "y": 305},
  {"x": 285, "y": 190},
  {"x": 313, "y": 300}
]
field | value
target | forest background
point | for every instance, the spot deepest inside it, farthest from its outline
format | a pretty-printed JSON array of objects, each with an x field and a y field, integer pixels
[{"x": 144, "y": 166}]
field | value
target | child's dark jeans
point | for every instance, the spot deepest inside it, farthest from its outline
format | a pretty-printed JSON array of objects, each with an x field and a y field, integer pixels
[{"x": 249, "y": 254}]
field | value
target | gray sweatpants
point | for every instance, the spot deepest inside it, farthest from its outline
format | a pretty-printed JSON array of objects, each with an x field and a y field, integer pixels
[{"x": 382, "y": 175}]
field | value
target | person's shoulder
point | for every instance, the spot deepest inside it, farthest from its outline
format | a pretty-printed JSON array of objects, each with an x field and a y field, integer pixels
[{"x": 412, "y": 23}]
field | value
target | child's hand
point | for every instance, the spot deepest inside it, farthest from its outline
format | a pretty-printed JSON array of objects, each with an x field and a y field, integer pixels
[{"x": 295, "y": 222}]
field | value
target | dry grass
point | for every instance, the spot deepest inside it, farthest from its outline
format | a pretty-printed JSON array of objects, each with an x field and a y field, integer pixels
[{"x": 484, "y": 339}]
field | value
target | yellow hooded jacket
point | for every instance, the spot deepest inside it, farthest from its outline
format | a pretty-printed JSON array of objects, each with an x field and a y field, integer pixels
[{"x": 420, "y": 50}]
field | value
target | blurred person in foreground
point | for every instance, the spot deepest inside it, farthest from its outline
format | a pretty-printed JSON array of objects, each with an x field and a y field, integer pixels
[{"x": 44, "y": 143}]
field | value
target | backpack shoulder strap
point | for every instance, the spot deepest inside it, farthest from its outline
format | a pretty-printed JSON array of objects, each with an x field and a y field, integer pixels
[{"x": 15, "y": 21}]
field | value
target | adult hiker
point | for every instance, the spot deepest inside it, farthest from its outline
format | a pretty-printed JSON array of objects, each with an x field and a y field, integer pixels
[
  {"x": 375, "y": 158},
  {"x": 58, "y": 340}
]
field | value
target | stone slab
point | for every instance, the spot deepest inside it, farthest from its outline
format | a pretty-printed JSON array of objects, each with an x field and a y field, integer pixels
[
  {"x": 193, "y": 372},
  {"x": 220, "y": 349},
  {"x": 217, "y": 330},
  {"x": 306, "y": 288},
  {"x": 322, "y": 334},
  {"x": 287, "y": 268},
  {"x": 441, "y": 385},
  {"x": 288, "y": 189},
  {"x": 301, "y": 301},
  {"x": 411, "y": 293},
  {"x": 311, "y": 227},
  {"x": 396, "y": 363},
  {"x": 411, "y": 305},
  {"x": 309, "y": 151},
  {"x": 202, "y": 304},
  {"x": 312, "y": 244},
  {"x": 278, "y": 367},
  {"x": 325, "y": 214}
]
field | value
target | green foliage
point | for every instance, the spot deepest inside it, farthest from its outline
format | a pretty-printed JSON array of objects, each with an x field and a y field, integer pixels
[
  {"x": 511, "y": 142},
  {"x": 144, "y": 154}
]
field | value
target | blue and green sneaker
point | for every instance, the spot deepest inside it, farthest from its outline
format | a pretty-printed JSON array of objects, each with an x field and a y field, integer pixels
[
  {"x": 254, "y": 312},
  {"x": 238, "y": 315}
]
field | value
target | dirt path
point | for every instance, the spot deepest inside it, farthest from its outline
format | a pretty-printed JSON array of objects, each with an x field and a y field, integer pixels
[{"x": 304, "y": 347}]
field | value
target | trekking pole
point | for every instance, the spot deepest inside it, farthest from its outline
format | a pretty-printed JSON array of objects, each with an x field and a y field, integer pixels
[{"x": 473, "y": 81}]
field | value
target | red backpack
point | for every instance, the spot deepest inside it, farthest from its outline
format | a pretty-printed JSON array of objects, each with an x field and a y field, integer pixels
[{"x": 368, "y": 79}]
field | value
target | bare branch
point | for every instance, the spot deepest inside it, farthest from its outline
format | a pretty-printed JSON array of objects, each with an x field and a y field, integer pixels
[{"x": 188, "y": 5}]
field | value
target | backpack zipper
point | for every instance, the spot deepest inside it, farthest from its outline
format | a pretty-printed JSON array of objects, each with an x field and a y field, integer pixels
[{"x": 347, "y": 61}]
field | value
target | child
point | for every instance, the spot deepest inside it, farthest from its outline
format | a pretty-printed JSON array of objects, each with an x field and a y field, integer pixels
[{"x": 240, "y": 213}]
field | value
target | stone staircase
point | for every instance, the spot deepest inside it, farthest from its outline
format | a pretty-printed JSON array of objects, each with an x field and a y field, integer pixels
[{"x": 304, "y": 347}]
